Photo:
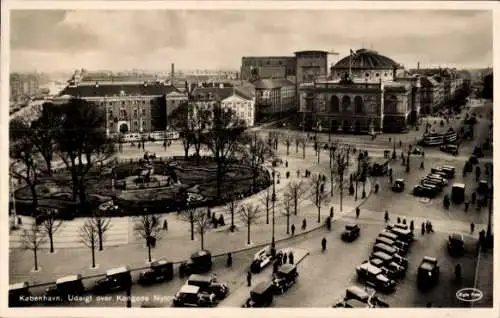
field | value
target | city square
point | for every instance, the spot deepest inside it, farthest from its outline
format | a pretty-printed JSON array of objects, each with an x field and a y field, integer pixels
[{"x": 293, "y": 182}]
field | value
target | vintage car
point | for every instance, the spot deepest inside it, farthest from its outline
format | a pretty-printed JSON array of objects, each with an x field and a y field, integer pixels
[
  {"x": 456, "y": 244},
  {"x": 159, "y": 271},
  {"x": 360, "y": 295},
  {"x": 209, "y": 284},
  {"x": 191, "y": 296},
  {"x": 421, "y": 190},
  {"x": 399, "y": 185},
  {"x": 381, "y": 259},
  {"x": 261, "y": 295},
  {"x": 450, "y": 148},
  {"x": 405, "y": 236},
  {"x": 351, "y": 232},
  {"x": 70, "y": 285},
  {"x": 16, "y": 294},
  {"x": 373, "y": 276},
  {"x": 116, "y": 279},
  {"x": 261, "y": 259},
  {"x": 428, "y": 272},
  {"x": 285, "y": 277},
  {"x": 199, "y": 263}
]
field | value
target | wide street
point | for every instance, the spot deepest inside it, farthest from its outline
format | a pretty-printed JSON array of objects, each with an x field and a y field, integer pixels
[{"x": 323, "y": 276}]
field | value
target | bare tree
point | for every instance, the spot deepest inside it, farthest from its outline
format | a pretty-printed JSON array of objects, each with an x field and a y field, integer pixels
[
  {"x": 287, "y": 142},
  {"x": 318, "y": 193},
  {"x": 249, "y": 214},
  {"x": 295, "y": 190},
  {"x": 297, "y": 143},
  {"x": 50, "y": 224},
  {"x": 339, "y": 167},
  {"x": 198, "y": 122},
  {"x": 303, "y": 143},
  {"x": 202, "y": 222},
  {"x": 32, "y": 238},
  {"x": 265, "y": 199},
  {"x": 232, "y": 206},
  {"x": 148, "y": 226},
  {"x": 188, "y": 214},
  {"x": 24, "y": 158},
  {"x": 287, "y": 210},
  {"x": 179, "y": 120},
  {"x": 102, "y": 225},
  {"x": 89, "y": 237}
]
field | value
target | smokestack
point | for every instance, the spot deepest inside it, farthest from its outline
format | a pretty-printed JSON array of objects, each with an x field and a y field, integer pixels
[
  {"x": 418, "y": 66},
  {"x": 172, "y": 73}
]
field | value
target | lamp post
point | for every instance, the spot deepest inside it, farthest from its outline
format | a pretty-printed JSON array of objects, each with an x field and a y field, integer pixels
[
  {"x": 490, "y": 207},
  {"x": 394, "y": 150},
  {"x": 357, "y": 176}
]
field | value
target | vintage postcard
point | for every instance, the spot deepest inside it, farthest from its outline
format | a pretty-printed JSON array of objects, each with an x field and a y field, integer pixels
[{"x": 305, "y": 156}]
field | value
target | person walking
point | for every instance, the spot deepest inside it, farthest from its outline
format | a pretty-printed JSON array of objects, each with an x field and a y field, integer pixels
[
  {"x": 472, "y": 226},
  {"x": 249, "y": 279},
  {"x": 386, "y": 216},
  {"x": 293, "y": 229},
  {"x": 323, "y": 244},
  {"x": 290, "y": 257},
  {"x": 357, "y": 212},
  {"x": 423, "y": 228}
]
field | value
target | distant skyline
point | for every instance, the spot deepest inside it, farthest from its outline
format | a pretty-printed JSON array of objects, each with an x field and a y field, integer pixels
[{"x": 61, "y": 40}]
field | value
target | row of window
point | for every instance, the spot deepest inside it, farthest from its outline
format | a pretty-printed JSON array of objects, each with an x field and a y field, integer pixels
[
  {"x": 126, "y": 102},
  {"x": 135, "y": 124}
]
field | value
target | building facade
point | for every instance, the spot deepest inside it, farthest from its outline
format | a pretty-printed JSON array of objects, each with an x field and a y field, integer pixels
[
  {"x": 361, "y": 95},
  {"x": 230, "y": 98},
  {"x": 274, "y": 96},
  {"x": 22, "y": 86},
  {"x": 260, "y": 67},
  {"x": 130, "y": 107},
  {"x": 311, "y": 64}
]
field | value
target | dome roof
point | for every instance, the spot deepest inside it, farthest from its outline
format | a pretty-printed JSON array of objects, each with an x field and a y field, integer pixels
[{"x": 366, "y": 60}]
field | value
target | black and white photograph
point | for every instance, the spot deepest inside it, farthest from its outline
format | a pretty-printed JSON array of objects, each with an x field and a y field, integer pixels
[{"x": 248, "y": 156}]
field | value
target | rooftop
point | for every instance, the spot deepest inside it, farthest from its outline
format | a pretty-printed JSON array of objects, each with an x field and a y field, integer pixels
[
  {"x": 113, "y": 89},
  {"x": 366, "y": 60},
  {"x": 271, "y": 83},
  {"x": 222, "y": 93}
]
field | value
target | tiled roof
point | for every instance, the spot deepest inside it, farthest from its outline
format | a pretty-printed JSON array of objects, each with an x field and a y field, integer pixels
[
  {"x": 366, "y": 59},
  {"x": 272, "y": 83},
  {"x": 223, "y": 93},
  {"x": 109, "y": 89},
  {"x": 428, "y": 81}
]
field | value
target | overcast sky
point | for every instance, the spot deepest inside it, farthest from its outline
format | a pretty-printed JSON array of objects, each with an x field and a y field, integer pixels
[{"x": 122, "y": 40}]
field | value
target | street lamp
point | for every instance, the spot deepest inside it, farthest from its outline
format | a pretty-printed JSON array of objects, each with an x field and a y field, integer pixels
[
  {"x": 360, "y": 156},
  {"x": 273, "y": 200},
  {"x": 490, "y": 207}
]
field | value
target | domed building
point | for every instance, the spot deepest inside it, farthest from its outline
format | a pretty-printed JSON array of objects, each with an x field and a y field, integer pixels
[{"x": 365, "y": 92}]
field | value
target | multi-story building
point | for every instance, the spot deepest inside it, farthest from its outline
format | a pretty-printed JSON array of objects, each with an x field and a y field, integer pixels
[
  {"x": 311, "y": 64},
  {"x": 361, "y": 94},
  {"x": 260, "y": 67},
  {"x": 130, "y": 107},
  {"x": 23, "y": 85},
  {"x": 229, "y": 97},
  {"x": 273, "y": 96}
]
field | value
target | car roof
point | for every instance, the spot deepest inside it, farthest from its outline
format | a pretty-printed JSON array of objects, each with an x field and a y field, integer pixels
[
  {"x": 384, "y": 246},
  {"x": 159, "y": 262},
  {"x": 448, "y": 167},
  {"x": 371, "y": 268},
  {"x": 200, "y": 254},
  {"x": 199, "y": 278},
  {"x": 262, "y": 287},
  {"x": 429, "y": 259},
  {"x": 427, "y": 266},
  {"x": 400, "y": 180},
  {"x": 117, "y": 270},
  {"x": 18, "y": 286},
  {"x": 189, "y": 289},
  {"x": 69, "y": 278},
  {"x": 382, "y": 255},
  {"x": 354, "y": 303},
  {"x": 286, "y": 268},
  {"x": 457, "y": 236},
  {"x": 458, "y": 185},
  {"x": 351, "y": 225},
  {"x": 358, "y": 291},
  {"x": 382, "y": 277}
]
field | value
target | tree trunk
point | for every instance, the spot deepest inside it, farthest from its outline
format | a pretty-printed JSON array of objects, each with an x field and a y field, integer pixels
[
  {"x": 93, "y": 252},
  {"x": 36, "y": 258},
  {"x": 202, "y": 240},
  {"x": 34, "y": 196},
  {"x": 296, "y": 147},
  {"x": 287, "y": 149},
  {"x": 48, "y": 162},
  {"x": 295, "y": 204},
  {"x": 331, "y": 185},
  {"x": 319, "y": 213},
  {"x": 186, "y": 150},
  {"x": 191, "y": 220},
  {"x": 149, "y": 252},
  {"x": 99, "y": 232},
  {"x": 51, "y": 240},
  {"x": 267, "y": 208},
  {"x": 288, "y": 222},
  {"x": 219, "y": 180},
  {"x": 248, "y": 233},
  {"x": 303, "y": 152},
  {"x": 232, "y": 216},
  {"x": 129, "y": 296},
  {"x": 319, "y": 152},
  {"x": 82, "y": 191}
]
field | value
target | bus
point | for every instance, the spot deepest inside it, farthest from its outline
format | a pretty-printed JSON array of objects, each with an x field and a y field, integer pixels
[{"x": 436, "y": 139}]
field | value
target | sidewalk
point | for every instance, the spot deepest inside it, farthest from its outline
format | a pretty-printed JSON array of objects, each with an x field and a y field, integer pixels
[{"x": 175, "y": 245}]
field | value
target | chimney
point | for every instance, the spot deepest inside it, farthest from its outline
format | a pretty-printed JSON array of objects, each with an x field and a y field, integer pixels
[
  {"x": 172, "y": 73},
  {"x": 221, "y": 85},
  {"x": 418, "y": 66}
]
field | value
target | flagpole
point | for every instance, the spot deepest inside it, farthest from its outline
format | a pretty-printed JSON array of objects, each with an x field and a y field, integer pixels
[{"x": 350, "y": 63}]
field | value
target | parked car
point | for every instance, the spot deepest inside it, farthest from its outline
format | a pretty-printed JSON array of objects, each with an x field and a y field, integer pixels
[
  {"x": 403, "y": 235},
  {"x": 191, "y": 296},
  {"x": 389, "y": 235},
  {"x": 209, "y": 284},
  {"x": 473, "y": 159},
  {"x": 483, "y": 187},
  {"x": 439, "y": 178},
  {"x": 453, "y": 149},
  {"x": 428, "y": 272},
  {"x": 116, "y": 279},
  {"x": 261, "y": 295},
  {"x": 417, "y": 151},
  {"x": 385, "y": 248},
  {"x": 450, "y": 170},
  {"x": 66, "y": 286},
  {"x": 458, "y": 193},
  {"x": 261, "y": 259},
  {"x": 384, "y": 240},
  {"x": 159, "y": 271},
  {"x": 17, "y": 292},
  {"x": 285, "y": 277},
  {"x": 398, "y": 259},
  {"x": 456, "y": 244},
  {"x": 399, "y": 185},
  {"x": 373, "y": 276},
  {"x": 421, "y": 190},
  {"x": 351, "y": 232},
  {"x": 199, "y": 263}
]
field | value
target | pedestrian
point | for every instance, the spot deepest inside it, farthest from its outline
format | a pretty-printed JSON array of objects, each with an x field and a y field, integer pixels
[
  {"x": 472, "y": 226},
  {"x": 293, "y": 229},
  {"x": 398, "y": 220},
  {"x": 165, "y": 225},
  {"x": 285, "y": 256},
  {"x": 249, "y": 279},
  {"x": 390, "y": 139},
  {"x": 286, "y": 164},
  {"x": 323, "y": 244},
  {"x": 386, "y": 216},
  {"x": 466, "y": 204},
  {"x": 331, "y": 212},
  {"x": 229, "y": 260},
  {"x": 400, "y": 144},
  {"x": 208, "y": 213},
  {"x": 412, "y": 226},
  {"x": 357, "y": 212},
  {"x": 423, "y": 228},
  {"x": 404, "y": 221},
  {"x": 290, "y": 257},
  {"x": 304, "y": 224}
]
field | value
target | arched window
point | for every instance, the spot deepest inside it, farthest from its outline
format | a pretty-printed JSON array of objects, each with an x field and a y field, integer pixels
[
  {"x": 391, "y": 104},
  {"x": 334, "y": 104},
  {"x": 346, "y": 103},
  {"x": 358, "y": 105},
  {"x": 367, "y": 74}
]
